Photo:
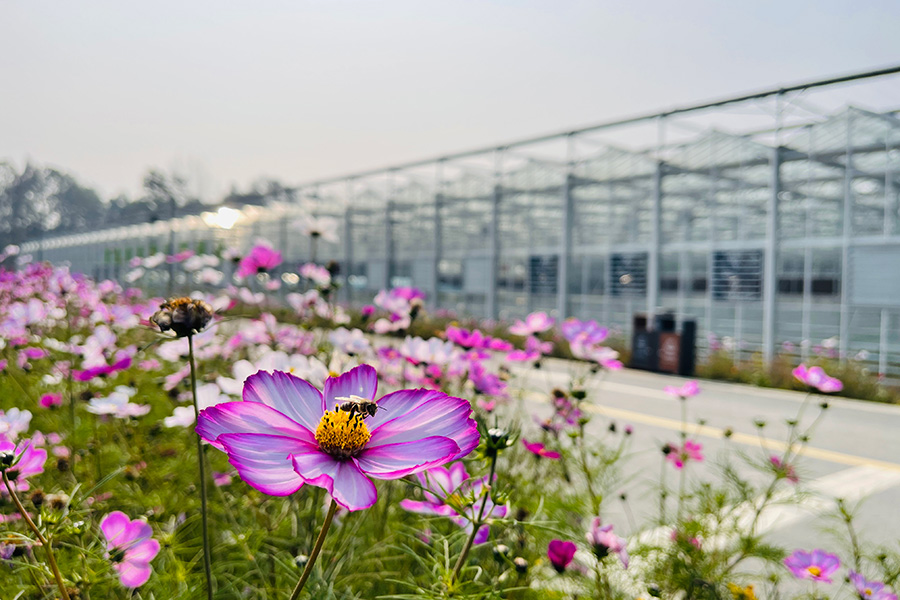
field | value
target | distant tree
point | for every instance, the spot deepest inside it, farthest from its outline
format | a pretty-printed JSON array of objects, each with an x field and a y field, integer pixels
[{"x": 39, "y": 200}]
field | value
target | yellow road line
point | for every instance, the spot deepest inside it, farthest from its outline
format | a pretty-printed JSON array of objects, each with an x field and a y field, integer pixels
[{"x": 740, "y": 438}]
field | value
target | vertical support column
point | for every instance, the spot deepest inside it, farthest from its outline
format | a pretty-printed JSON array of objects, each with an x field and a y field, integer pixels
[
  {"x": 438, "y": 246},
  {"x": 348, "y": 249},
  {"x": 655, "y": 243},
  {"x": 491, "y": 308},
  {"x": 806, "y": 315},
  {"x": 438, "y": 233},
  {"x": 890, "y": 206},
  {"x": 684, "y": 280},
  {"x": 712, "y": 207},
  {"x": 846, "y": 230},
  {"x": 770, "y": 259},
  {"x": 388, "y": 243},
  {"x": 565, "y": 244}
]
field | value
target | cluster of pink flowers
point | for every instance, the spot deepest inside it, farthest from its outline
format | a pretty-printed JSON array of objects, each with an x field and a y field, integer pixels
[
  {"x": 815, "y": 377},
  {"x": 679, "y": 456},
  {"x": 401, "y": 305}
]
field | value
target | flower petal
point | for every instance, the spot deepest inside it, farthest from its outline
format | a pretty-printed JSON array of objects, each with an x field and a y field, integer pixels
[
  {"x": 341, "y": 478},
  {"x": 417, "y": 414},
  {"x": 135, "y": 531},
  {"x": 289, "y": 395},
  {"x": 426, "y": 508},
  {"x": 113, "y": 525},
  {"x": 248, "y": 417},
  {"x": 392, "y": 461},
  {"x": 264, "y": 461},
  {"x": 360, "y": 381},
  {"x": 133, "y": 574},
  {"x": 143, "y": 551}
]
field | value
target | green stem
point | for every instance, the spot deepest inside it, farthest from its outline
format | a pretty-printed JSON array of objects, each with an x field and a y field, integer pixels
[
  {"x": 204, "y": 515},
  {"x": 477, "y": 523},
  {"x": 320, "y": 541},
  {"x": 588, "y": 476},
  {"x": 37, "y": 532}
]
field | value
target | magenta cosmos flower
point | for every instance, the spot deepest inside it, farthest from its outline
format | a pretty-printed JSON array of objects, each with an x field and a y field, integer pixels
[
  {"x": 817, "y": 378},
  {"x": 870, "y": 590},
  {"x": 689, "y": 451},
  {"x": 561, "y": 554},
  {"x": 538, "y": 449},
  {"x": 261, "y": 259},
  {"x": 27, "y": 461},
  {"x": 603, "y": 541},
  {"x": 287, "y": 433},
  {"x": 440, "y": 484},
  {"x": 817, "y": 565},
  {"x": 130, "y": 547}
]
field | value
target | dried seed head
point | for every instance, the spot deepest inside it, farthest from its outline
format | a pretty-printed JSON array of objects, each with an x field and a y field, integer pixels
[{"x": 184, "y": 316}]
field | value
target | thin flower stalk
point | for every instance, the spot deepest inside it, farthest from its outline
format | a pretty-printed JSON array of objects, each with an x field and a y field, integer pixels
[
  {"x": 478, "y": 521},
  {"x": 204, "y": 515},
  {"x": 320, "y": 541},
  {"x": 51, "y": 559}
]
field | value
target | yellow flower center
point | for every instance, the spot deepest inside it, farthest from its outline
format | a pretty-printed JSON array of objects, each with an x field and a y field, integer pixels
[
  {"x": 341, "y": 434},
  {"x": 815, "y": 571},
  {"x": 869, "y": 591}
]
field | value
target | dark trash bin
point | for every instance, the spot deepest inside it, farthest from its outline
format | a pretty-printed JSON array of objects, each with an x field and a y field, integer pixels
[
  {"x": 664, "y": 348},
  {"x": 644, "y": 345}
]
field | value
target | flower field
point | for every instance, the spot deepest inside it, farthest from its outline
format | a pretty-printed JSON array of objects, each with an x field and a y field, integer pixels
[{"x": 168, "y": 448}]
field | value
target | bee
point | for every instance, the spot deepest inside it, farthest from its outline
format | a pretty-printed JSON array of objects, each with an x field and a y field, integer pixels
[{"x": 355, "y": 404}]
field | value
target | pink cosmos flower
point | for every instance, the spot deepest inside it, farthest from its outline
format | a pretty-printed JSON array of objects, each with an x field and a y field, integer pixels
[
  {"x": 440, "y": 484},
  {"x": 486, "y": 382},
  {"x": 259, "y": 260},
  {"x": 476, "y": 339},
  {"x": 603, "y": 541},
  {"x": 534, "y": 350},
  {"x": 681, "y": 456},
  {"x": 585, "y": 332},
  {"x": 28, "y": 460},
  {"x": 817, "y": 565},
  {"x": 561, "y": 554},
  {"x": 130, "y": 547},
  {"x": 688, "y": 390},
  {"x": 317, "y": 274},
  {"x": 816, "y": 377},
  {"x": 538, "y": 449},
  {"x": 50, "y": 400},
  {"x": 870, "y": 590},
  {"x": 287, "y": 433},
  {"x": 783, "y": 469},
  {"x": 221, "y": 479},
  {"x": 536, "y": 322},
  {"x": 367, "y": 311}
]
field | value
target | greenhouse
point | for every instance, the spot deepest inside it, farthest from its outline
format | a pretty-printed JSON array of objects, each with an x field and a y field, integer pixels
[{"x": 770, "y": 219}]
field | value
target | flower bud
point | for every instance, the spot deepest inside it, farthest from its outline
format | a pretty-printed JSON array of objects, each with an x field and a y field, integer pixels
[
  {"x": 497, "y": 439},
  {"x": 501, "y": 551},
  {"x": 300, "y": 560},
  {"x": 521, "y": 565}
]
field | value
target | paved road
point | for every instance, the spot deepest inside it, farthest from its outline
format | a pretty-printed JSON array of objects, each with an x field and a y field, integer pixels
[{"x": 854, "y": 453}]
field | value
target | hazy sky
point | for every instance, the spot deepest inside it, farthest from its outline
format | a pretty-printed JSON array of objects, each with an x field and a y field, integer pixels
[{"x": 299, "y": 89}]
